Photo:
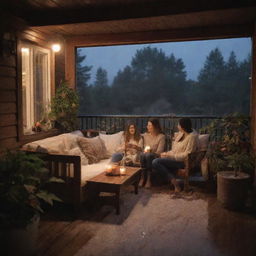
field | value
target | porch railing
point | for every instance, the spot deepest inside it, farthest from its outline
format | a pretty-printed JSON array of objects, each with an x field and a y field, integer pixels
[{"x": 114, "y": 123}]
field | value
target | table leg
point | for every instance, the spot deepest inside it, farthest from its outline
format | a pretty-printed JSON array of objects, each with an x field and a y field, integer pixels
[
  {"x": 118, "y": 201},
  {"x": 136, "y": 184}
]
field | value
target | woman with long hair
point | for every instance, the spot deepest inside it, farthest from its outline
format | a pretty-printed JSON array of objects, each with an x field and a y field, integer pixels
[
  {"x": 131, "y": 146},
  {"x": 154, "y": 143},
  {"x": 169, "y": 162}
]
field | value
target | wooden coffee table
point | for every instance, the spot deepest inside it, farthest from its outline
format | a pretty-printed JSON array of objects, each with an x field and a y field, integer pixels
[{"x": 113, "y": 184}]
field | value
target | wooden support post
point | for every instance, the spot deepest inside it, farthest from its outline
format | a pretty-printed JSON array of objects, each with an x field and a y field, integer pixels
[{"x": 253, "y": 95}]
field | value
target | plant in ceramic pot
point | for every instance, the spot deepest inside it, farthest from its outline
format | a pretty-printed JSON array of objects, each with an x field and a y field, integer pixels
[
  {"x": 22, "y": 179},
  {"x": 64, "y": 108},
  {"x": 232, "y": 158}
]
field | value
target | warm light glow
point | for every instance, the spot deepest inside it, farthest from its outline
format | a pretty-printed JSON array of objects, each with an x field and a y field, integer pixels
[
  {"x": 56, "y": 47},
  {"x": 122, "y": 170},
  {"x": 147, "y": 149},
  {"x": 25, "y": 50}
]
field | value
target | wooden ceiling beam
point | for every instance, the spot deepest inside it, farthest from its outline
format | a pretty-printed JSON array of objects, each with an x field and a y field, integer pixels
[
  {"x": 121, "y": 11},
  {"x": 174, "y": 35}
]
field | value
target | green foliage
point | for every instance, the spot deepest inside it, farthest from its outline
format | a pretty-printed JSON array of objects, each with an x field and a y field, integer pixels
[
  {"x": 64, "y": 108},
  {"x": 22, "y": 178},
  {"x": 230, "y": 149}
]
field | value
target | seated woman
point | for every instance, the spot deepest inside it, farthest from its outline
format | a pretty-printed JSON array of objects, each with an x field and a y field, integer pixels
[
  {"x": 169, "y": 162},
  {"x": 154, "y": 143},
  {"x": 131, "y": 146}
]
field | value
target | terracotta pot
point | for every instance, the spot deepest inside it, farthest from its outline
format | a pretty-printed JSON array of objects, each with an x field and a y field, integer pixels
[
  {"x": 21, "y": 241},
  {"x": 231, "y": 190}
]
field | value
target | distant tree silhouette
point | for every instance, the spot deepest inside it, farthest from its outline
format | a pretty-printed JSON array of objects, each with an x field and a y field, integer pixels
[
  {"x": 101, "y": 93},
  {"x": 155, "y": 83},
  {"x": 82, "y": 77},
  {"x": 151, "y": 77},
  {"x": 223, "y": 86}
]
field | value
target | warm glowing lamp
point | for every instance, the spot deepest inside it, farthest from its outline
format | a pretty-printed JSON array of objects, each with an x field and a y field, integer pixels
[
  {"x": 56, "y": 47},
  {"x": 25, "y": 50}
]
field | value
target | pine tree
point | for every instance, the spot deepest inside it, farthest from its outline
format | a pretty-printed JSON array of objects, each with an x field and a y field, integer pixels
[
  {"x": 101, "y": 93},
  {"x": 82, "y": 77}
]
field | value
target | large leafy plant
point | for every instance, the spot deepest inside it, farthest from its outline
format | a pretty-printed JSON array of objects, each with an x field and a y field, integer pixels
[
  {"x": 22, "y": 179},
  {"x": 230, "y": 147},
  {"x": 64, "y": 108}
]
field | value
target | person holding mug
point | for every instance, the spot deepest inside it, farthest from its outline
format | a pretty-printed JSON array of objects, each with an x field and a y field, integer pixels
[
  {"x": 154, "y": 144},
  {"x": 131, "y": 146}
]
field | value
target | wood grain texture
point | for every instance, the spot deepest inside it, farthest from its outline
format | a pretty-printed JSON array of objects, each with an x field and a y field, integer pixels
[
  {"x": 8, "y": 96},
  {"x": 7, "y": 83},
  {"x": 234, "y": 17},
  {"x": 118, "y": 180},
  {"x": 6, "y": 71},
  {"x": 9, "y": 61},
  {"x": 82, "y": 11},
  {"x": 8, "y": 143},
  {"x": 7, "y": 108},
  {"x": 8, "y": 132},
  {"x": 8, "y": 119}
]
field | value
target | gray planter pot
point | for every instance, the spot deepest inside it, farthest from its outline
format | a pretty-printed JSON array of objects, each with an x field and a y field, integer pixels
[{"x": 232, "y": 191}]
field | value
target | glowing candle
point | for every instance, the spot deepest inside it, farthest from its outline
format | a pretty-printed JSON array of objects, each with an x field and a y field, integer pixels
[
  {"x": 109, "y": 168},
  {"x": 147, "y": 149},
  {"x": 122, "y": 170}
]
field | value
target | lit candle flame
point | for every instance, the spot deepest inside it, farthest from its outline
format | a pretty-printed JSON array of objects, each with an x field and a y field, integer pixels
[
  {"x": 122, "y": 170},
  {"x": 147, "y": 149}
]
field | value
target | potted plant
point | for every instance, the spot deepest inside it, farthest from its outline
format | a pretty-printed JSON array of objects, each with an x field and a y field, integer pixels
[
  {"x": 22, "y": 179},
  {"x": 64, "y": 108},
  {"x": 231, "y": 157}
]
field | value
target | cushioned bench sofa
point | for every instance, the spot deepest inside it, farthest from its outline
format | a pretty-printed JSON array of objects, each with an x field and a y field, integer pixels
[
  {"x": 76, "y": 159},
  {"x": 65, "y": 158}
]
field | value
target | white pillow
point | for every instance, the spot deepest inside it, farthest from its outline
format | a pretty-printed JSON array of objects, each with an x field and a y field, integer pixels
[
  {"x": 112, "y": 141},
  {"x": 70, "y": 141},
  {"x": 203, "y": 141},
  {"x": 53, "y": 144},
  {"x": 78, "y": 133}
]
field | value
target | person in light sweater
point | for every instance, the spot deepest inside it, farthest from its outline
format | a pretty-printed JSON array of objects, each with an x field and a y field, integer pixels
[
  {"x": 154, "y": 143},
  {"x": 169, "y": 162},
  {"x": 131, "y": 146}
]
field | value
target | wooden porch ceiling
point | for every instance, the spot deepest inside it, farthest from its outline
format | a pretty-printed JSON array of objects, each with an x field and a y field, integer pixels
[
  {"x": 245, "y": 16},
  {"x": 71, "y": 18}
]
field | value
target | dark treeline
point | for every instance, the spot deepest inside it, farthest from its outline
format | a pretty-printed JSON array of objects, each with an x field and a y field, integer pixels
[{"x": 155, "y": 83}]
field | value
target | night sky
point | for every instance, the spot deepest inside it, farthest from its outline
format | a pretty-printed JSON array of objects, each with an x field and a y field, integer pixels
[{"x": 193, "y": 54}]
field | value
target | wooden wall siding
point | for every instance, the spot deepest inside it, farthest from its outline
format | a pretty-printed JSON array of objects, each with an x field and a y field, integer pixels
[
  {"x": 60, "y": 66},
  {"x": 11, "y": 133},
  {"x": 8, "y": 100}
]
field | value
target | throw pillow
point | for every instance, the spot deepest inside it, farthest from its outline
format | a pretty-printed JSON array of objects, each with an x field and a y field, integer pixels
[
  {"x": 77, "y": 152},
  {"x": 203, "y": 141},
  {"x": 112, "y": 141},
  {"x": 93, "y": 148}
]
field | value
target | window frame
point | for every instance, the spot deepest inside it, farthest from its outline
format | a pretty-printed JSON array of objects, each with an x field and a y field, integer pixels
[{"x": 24, "y": 138}]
